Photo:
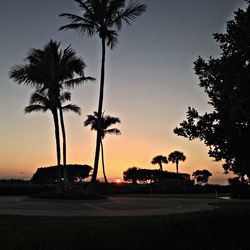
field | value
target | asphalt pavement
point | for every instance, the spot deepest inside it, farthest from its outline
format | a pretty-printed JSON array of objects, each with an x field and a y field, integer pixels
[{"x": 113, "y": 206}]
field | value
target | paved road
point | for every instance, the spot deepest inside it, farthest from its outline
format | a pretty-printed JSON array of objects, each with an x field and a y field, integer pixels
[{"x": 113, "y": 206}]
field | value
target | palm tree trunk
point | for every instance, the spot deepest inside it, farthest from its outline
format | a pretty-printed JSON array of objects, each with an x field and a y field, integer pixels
[
  {"x": 177, "y": 167},
  {"x": 64, "y": 145},
  {"x": 58, "y": 151},
  {"x": 103, "y": 165},
  {"x": 99, "y": 136},
  {"x": 160, "y": 166}
]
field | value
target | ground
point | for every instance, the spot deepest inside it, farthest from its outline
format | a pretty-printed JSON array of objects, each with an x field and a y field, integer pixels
[{"x": 113, "y": 206}]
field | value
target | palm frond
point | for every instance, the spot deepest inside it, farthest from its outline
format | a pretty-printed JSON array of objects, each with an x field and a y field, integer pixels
[
  {"x": 86, "y": 6},
  {"x": 35, "y": 108},
  {"x": 109, "y": 120},
  {"x": 91, "y": 120},
  {"x": 72, "y": 107},
  {"x": 84, "y": 28},
  {"x": 23, "y": 74},
  {"x": 65, "y": 96},
  {"x": 77, "y": 81},
  {"x": 113, "y": 131},
  {"x": 111, "y": 38},
  {"x": 41, "y": 99},
  {"x": 131, "y": 12}
]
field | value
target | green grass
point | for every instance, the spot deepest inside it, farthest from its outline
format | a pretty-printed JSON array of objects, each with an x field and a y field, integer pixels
[{"x": 225, "y": 228}]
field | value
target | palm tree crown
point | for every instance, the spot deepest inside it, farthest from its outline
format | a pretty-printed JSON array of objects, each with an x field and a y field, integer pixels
[
  {"x": 102, "y": 124},
  {"x": 176, "y": 157},
  {"x": 160, "y": 159},
  {"x": 104, "y": 17},
  {"x": 51, "y": 68},
  {"x": 41, "y": 101}
]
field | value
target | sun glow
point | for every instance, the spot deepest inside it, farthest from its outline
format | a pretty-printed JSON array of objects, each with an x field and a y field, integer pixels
[{"x": 118, "y": 181}]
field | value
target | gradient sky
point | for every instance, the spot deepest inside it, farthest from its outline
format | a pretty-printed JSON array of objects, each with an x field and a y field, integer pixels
[{"x": 150, "y": 82}]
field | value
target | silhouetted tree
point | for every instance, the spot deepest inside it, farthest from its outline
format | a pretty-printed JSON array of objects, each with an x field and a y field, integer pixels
[
  {"x": 104, "y": 18},
  {"x": 52, "y": 69},
  {"x": 41, "y": 101},
  {"x": 138, "y": 175},
  {"x": 48, "y": 175},
  {"x": 160, "y": 159},
  {"x": 131, "y": 174},
  {"x": 176, "y": 157},
  {"x": 201, "y": 176},
  {"x": 226, "y": 129},
  {"x": 103, "y": 123}
]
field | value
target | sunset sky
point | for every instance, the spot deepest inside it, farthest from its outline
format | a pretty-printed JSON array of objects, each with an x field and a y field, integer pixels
[{"x": 150, "y": 82}]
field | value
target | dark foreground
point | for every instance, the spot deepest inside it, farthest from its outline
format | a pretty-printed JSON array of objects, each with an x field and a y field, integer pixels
[{"x": 225, "y": 228}]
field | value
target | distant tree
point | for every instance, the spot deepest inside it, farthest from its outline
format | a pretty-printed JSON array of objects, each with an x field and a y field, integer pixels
[
  {"x": 106, "y": 19},
  {"x": 140, "y": 175},
  {"x": 226, "y": 129},
  {"x": 175, "y": 157},
  {"x": 103, "y": 123},
  {"x": 160, "y": 159},
  {"x": 131, "y": 174},
  {"x": 48, "y": 175},
  {"x": 201, "y": 176}
]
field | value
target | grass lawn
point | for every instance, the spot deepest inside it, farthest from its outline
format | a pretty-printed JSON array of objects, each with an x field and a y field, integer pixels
[{"x": 225, "y": 228}]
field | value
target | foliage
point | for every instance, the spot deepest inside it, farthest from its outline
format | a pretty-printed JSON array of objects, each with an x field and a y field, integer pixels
[
  {"x": 176, "y": 157},
  {"x": 201, "y": 176},
  {"x": 159, "y": 159},
  {"x": 226, "y": 129},
  {"x": 48, "y": 175},
  {"x": 103, "y": 124},
  {"x": 104, "y": 18},
  {"x": 137, "y": 175}
]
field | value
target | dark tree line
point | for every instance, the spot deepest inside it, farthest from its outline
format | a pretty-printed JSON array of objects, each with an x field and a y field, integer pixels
[{"x": 138, "y": 175}]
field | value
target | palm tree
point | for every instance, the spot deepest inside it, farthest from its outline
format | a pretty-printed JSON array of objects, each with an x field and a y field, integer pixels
[
  {"x": 42, "y": 101},
  {"x": 160, "y": 159},
  {"x": 105, "y": 18},
  {"x": 104, "y": 123},
  {"x": 176, "y": 157},
  {"x": 51, "y": 69}
]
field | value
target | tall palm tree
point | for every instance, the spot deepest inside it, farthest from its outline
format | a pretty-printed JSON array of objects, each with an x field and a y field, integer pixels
[
  {"x": 176, "y": 157},
  {"x": 160, "y": 159},
  {"x": 105, "y": 18},
  {"x": 52, "y": 69},
  {"x": 104, "y": 123}
]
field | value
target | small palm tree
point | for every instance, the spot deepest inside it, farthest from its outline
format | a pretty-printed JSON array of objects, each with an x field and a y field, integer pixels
[
  {"x": 160, "y": 159},
  {"x": 106, "y": 19},
  {"x": 176, "y": 157},
  {"x": 42, "y": 101},
  {"x": 104, "y": 123}
]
